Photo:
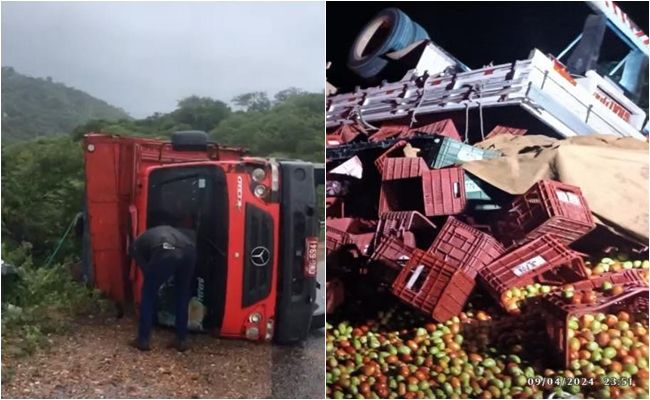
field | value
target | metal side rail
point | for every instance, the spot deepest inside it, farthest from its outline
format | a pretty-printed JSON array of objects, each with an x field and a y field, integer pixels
[{"x": 540, "y": 85}]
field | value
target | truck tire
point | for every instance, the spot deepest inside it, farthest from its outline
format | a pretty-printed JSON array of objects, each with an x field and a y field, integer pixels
[
  {"x": 189, "y": 140},
  {"x": 390, "y": 30}
]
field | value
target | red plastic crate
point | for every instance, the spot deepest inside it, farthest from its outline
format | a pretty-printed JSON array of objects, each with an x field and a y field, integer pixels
[
  {"x": 544, "y": 260},
  {"x": 413, "y": 228},
  {"x": 625, "y": 277},
  {"x": 500, "y": 129},
  {"x": 335, "y": 239},
  {"x": 444, "y": 191},
  {"x": 433, "y": 286},
  {"x": 445, "y": 127},
  {"x": 392, "y": 253},
  {"x": 409, "y": 185},
  {"x": 392, "y": 151},
  {"x": 464, "y": 247},
  {"x": 403, "y": 168},
  {"x": 557, "y": 311},
  {"x": 342, "y": 135},
  {"x": 549, "y": 207},
  {"x": 362, "y": 241},
  {"x": 388, "y": 259},
  {"x": 358, "y": 232},
  {"x": 388, "y": 130},
  {"x": 353, "y": 225}
]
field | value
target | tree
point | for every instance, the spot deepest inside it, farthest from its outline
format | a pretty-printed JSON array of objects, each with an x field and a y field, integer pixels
[
  {"x": 253, "y": 101},
  {"x": 202, "y": 113},
  {"x": 284, "y": 95},
  {"x": 293, "y": 128}
]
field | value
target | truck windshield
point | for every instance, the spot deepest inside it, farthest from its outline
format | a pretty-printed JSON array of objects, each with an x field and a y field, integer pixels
[{"x": 196, "y": 198}]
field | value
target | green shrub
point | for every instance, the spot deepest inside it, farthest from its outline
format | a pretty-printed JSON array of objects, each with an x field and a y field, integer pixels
[
  {"x": 42, "y": 301},
  {"x": 42, "y": 191}
]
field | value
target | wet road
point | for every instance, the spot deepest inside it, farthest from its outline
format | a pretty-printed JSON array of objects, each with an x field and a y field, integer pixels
[{"x": 299, "y": 371}]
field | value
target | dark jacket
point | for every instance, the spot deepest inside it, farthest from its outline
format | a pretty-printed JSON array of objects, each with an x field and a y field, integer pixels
[{"x": 159, "y": 237}]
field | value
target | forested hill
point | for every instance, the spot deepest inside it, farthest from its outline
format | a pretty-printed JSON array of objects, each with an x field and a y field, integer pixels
[{"x": 34, "y": 107}]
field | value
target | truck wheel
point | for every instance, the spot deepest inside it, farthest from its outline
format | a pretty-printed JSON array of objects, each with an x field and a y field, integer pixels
[{"x": 390, "y": 30}]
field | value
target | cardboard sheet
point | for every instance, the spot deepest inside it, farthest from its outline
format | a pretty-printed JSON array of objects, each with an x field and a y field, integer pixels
[{"x": 612, "y": 173}]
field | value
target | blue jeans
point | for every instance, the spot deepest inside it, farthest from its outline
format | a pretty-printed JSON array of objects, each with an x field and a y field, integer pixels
[{"x": 163, "y": 265}]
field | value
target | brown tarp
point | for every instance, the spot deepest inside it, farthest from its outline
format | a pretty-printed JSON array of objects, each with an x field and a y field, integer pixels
[{"x": 612, "y": 173}]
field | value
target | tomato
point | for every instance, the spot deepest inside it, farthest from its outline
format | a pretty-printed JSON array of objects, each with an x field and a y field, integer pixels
[
  {"x": 602, "y": 339},
  {"x": 623, "y": 316}
]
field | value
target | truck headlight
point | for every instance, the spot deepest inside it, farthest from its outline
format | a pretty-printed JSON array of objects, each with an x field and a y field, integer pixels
[
  {"x": 254, "y": 318},
  {"x": 258, "y": 174}
]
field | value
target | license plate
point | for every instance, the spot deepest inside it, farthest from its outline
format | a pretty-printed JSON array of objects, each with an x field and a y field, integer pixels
[{"x": 311, "y": 256}]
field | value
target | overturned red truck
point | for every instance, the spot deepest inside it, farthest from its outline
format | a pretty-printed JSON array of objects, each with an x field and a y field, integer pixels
[{"x": 256, "y": 221}]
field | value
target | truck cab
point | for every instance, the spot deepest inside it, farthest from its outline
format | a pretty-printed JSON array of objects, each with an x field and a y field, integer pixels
[{"x": 256, "y": 223}]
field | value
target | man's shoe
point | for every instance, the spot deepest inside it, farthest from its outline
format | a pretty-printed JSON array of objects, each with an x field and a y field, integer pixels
[{"x": 140, "y": 345}]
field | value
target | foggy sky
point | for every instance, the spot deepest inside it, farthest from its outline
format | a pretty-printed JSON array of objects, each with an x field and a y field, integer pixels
[{"x": 144, "y": 57}]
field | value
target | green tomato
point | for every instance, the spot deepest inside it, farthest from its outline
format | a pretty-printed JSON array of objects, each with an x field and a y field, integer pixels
[
  {"x": 595, "y": 326},
  {"x": 520, "y": 380},
  {"x": 609, "y": 352},
  {"x": 631, "y": 368}
]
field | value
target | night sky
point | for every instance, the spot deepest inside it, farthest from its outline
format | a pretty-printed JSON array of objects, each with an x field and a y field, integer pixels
[{"x": 477, "y": 33}]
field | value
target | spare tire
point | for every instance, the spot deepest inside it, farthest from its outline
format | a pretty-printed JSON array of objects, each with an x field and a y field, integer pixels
[
  {"x": 189, "y": 140},
  {"x": 390, "y": 30}
]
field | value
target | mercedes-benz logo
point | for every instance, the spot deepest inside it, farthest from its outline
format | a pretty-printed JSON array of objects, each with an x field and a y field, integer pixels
[{"x": 260, "y": 256}]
